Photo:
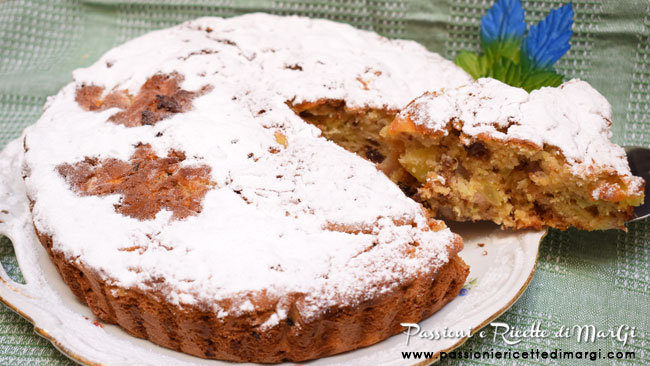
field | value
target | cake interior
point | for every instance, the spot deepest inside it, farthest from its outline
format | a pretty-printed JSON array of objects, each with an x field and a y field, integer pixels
[
  {"x": 458, "y": 178},
  {"x": 356, "y": 130},
  {"x": 516, "y": 185}
]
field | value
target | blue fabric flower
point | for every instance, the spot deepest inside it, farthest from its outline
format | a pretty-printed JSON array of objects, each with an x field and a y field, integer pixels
[
  {"x": 505, "y": 20},
  {"x": 519, "y": 60},
  {"x": 549, "y": 40}
]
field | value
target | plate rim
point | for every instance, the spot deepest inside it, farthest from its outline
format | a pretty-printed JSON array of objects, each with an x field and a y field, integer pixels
[
  {"x": 84, "y": 361},
  {"x": 497, "y": 314}
]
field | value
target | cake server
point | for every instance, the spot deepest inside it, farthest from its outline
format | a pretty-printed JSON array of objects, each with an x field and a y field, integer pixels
[{"x": 639, "y": 160}]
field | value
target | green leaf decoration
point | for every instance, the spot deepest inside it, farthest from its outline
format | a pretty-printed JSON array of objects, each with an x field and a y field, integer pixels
[
  {"x": 509, "y": 48},
  {"x": 471, "y": 63},
  {"x": 515, "y": 59},
  {"x": 507, "y": 71},
  {"x": 536, "y": 79}
]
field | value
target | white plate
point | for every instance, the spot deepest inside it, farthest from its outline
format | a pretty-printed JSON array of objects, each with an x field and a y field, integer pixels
[{"x": 500, "y": 271}]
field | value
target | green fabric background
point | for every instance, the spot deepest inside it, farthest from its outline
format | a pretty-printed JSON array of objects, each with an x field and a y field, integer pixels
[{"x": 600, "y": 278}]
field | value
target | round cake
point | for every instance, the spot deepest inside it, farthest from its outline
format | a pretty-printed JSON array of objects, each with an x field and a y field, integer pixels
[{"x": 183, "y": 191}]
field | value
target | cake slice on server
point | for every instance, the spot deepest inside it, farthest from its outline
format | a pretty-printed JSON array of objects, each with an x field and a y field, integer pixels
[{"x": 490, "y": 151}]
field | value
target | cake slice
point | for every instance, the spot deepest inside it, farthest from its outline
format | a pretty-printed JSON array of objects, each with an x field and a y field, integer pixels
[{"x": 489, "y": 151}]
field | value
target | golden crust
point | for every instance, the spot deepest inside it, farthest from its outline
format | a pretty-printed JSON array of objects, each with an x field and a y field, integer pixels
[
  {"x": 159, "y": 98},
  {"x": 202, "y": 333},
  {"x": 147, "y": 182},
  {"x": 404, "y": 124}
]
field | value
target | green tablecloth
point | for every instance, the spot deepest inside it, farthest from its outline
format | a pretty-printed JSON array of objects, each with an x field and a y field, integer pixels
[{"x": 600, "y": 278}]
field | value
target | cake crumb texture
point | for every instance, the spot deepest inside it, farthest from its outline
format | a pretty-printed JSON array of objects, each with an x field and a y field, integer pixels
[{"x": 489, "y": 151}]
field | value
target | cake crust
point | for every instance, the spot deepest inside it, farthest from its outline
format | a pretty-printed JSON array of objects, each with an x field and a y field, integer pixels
[{"x": 200, "y": 332}]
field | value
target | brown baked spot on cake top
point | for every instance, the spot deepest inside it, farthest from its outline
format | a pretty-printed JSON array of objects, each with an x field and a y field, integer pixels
[
  {"x": 159, "y": 97},
  {"x": 148, "y": 183}
]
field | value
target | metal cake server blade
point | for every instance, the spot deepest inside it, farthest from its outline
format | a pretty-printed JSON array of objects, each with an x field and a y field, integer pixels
[{"x": 639, "y": 160}]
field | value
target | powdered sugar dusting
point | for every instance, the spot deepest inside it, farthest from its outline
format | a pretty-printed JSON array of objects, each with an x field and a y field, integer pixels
[
  {"x": 263, "y": 227},
  {"x": 573, "y": 117}
]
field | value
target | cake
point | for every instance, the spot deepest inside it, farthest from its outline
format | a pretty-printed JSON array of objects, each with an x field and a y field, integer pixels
[
  {"x": 490, "y": 151},
  {"x": 184, "y": 191}
]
